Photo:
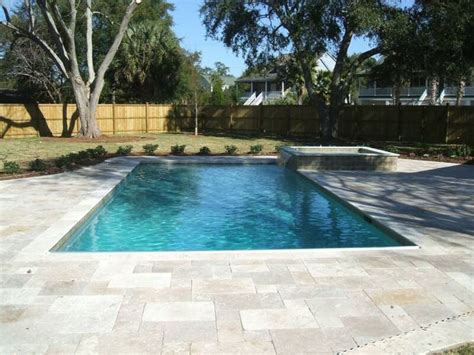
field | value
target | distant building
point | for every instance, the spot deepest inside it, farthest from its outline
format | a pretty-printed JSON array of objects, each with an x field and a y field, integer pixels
[
  {"x": 262, "y": 88},
  {"x": 373, "y": 92}
]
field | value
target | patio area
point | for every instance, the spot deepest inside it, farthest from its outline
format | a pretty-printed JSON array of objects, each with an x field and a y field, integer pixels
[{"x": 302, "y": 301}]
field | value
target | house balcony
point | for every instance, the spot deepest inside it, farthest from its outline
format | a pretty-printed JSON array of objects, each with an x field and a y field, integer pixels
[
  {"x": 452, "y": 91},
  {"x": 411, "y": 92},
  {"x": 270, "y": 95}
]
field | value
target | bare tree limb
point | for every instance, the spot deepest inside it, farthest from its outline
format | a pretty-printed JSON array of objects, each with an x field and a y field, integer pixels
[
  {"x": 35, "y": 38},
  {"x": 90, "y": 60},
  {"x": 104, "y": 66},
  {"x": 31, "y": 16},
  {"x": 53, "y": 30}
]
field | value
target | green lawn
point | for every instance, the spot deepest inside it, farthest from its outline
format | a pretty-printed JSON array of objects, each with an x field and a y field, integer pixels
[
  {"x": 467, "y": 349},
  {"x": 23, "y": 150}
]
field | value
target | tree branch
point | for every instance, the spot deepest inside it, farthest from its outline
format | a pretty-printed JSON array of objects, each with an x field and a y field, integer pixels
[
  {"x": 366, "y": 55},
  {"x": 53, "y": 30},
  {"x": 90, "y": 60},
  {"x": 104, "y": 66},
  {"x": 35, "y": 38}
]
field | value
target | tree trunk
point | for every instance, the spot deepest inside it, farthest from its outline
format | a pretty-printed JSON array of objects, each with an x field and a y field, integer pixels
[
  {"x": 433, "y": 90},
  {"x": 336, "y": 103},
  {"x": 460, "y": 92},
  {"x": 196, "y": 132},
  {"x": 323, "y": 112},
  {"x": 396, "y": 93},
  {"x": 87, "y": 112}
]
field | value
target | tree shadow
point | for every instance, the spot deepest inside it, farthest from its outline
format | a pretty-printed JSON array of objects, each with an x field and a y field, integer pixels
[
  {"x": 439, "y": 198},
  {"x": 68, "y": 129},
  {"x": 37, "y": 121}
]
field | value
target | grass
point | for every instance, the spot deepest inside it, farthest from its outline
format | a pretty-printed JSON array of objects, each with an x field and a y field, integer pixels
[
  {"x": 467, "y": 349},
  {"x": 23, "y": 150}
]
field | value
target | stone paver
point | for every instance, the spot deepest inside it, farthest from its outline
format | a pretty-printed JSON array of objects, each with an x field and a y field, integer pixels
[{"x": 408, "y": 300}]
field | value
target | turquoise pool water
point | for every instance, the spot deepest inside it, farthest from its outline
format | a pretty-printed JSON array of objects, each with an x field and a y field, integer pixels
[{"x": 221, "y": 207}]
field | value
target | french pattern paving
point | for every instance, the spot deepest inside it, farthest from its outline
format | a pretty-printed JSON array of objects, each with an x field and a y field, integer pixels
[{"x": 262, "y": 302}]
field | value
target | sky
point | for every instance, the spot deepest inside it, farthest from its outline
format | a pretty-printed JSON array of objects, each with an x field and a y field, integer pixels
[{"x": 189, "y": 28}]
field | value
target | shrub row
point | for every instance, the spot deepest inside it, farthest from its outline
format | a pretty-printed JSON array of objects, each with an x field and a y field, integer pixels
[
  {"x": 461, "y": 150},
  {"x": 83, "y": 156}
]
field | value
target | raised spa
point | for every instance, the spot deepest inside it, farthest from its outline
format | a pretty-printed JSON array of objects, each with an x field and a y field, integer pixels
[
  {"x": 337, "y": 158},
  {"x": 186, "y": 207}
]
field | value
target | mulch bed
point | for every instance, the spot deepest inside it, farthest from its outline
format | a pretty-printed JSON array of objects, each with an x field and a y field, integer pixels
[{"x": 455, "y": 160}]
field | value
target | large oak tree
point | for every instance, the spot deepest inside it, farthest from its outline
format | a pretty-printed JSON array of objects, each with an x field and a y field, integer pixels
[
  {"x": 62, "y": 20},
  {"x": 305, "y": 29}
]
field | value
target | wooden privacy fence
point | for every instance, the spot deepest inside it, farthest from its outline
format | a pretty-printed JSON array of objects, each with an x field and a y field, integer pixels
[{"x": 430, "y": 124}]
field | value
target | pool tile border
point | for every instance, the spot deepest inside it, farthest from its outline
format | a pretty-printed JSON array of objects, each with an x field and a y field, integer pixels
[{"x": 116, "y": 170}]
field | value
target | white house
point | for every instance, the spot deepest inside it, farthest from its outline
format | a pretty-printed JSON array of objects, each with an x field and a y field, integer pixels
[
  {"x": 417, "y": 93},
  {"x": 264, "y": 88}
]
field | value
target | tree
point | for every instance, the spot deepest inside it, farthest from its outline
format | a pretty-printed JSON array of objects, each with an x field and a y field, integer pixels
[
  {"x": 306, "y": 30},
  {"x": 446, "y": 30},
  {"x": 61, "y": 47},
  {"x": 148, "y": 65},
  {"x": 433, "y": 39},
  {"x": 400, "y": 50},
  {"x": 34, "y": 73}
]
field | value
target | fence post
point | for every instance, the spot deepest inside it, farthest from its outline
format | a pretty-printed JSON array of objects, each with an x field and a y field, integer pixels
[
  {"x": 399, "y": 121},
  {"x": 423, "y": 123},
  {"x": 446, "y": 133},
  {"x": 231, "y": 122},
  {"x": 146, "y": 117},
  {"x": 113, "y": 118},
  {"x": 288, "y": 123},
  {"x": 260, "y": 118}
]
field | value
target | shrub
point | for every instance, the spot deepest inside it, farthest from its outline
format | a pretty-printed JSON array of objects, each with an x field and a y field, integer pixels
[
  {"x": 73, "y": 157},
  {"x": 150, "y": 148},
  {"x": 463, "y": 150},
  {"x": 38, "y": 165},
  {"x": 230, "y": 149},
  {"x": 256, "y": 149},
  {"x": 278, "y": 147},
  {"x": 11, "y": 167},
  {"x": 124, "y": 150},
  {"x": 178, "y": 149},
  {"x": 64, "y": 161},
  {"x": 392, "y": 149},
  {"x": 204, "y": 151},
  {"x": 97, "y": 152},
  {"x": 83, "y": 155}
]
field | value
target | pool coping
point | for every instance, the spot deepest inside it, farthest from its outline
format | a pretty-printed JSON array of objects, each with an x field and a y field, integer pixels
[
  {"x": 117, "y": 170},
  {"x": 296, "y": 150}
]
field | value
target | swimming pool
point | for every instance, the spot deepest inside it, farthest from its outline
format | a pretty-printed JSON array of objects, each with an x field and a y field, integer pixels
[{"x": 177, "y": 207}]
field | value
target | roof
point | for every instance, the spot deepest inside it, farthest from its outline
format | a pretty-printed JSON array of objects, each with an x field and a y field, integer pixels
[
  {"x": 258, "y": 78},
  {"x": 325, "y": 63}
]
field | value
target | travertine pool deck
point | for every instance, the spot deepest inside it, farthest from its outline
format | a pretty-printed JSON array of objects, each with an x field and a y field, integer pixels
[{"x": 286, "y": 302}]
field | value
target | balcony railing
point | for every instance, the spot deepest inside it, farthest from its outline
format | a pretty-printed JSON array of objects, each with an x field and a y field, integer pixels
[
  {"x": 270, "y": 95},
  {"x": 375, "y": 92},
  {"x": 415, "y": 91},
  {"x": 453, "y": 90}
]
